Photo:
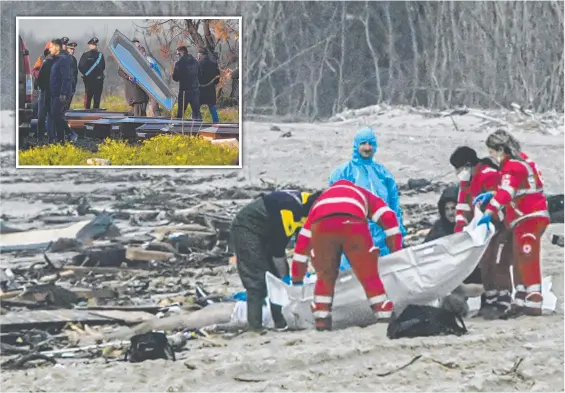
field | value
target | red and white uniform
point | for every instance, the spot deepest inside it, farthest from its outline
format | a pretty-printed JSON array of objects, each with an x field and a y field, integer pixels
[
  {"x": 338, "y": 223},
  {"x": 520, "y": 203},
  {"x": 483, "y": 179}
]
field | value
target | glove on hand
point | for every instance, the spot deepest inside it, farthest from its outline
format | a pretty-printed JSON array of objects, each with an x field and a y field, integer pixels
[
  {"x": 483, "y": 198},
  {"x": 133, "y": 80},
  {"x": 485, "y": 219}
]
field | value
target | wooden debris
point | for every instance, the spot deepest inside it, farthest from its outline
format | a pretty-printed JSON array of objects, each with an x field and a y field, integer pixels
[
  {"x": 140, "y": 254},
  {"x": 414, "y": 359}
]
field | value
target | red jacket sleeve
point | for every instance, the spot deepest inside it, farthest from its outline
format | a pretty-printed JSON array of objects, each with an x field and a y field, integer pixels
[
  {"x": 382, "y": 215},
  {"x": 301, "y": 251},
  {"x": 463, "y": 209},
  {"x": 505, "y": 192},
  {"x": 490, "y": 179}
]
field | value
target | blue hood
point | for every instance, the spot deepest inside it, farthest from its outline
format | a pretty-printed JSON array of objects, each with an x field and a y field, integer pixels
[
  {"x": 364, "y": 135},
  {"x": 374, "y": 177}
]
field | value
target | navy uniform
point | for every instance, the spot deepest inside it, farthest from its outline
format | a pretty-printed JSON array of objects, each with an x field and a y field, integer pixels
[
  {"x": 259, "y": 235},
  {"x": 70, "y": 49},
  {"x": 92, "y": 66}
]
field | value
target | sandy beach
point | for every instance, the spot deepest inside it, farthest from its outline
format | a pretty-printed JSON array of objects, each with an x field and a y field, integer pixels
[{"x": 412, "y": 145}]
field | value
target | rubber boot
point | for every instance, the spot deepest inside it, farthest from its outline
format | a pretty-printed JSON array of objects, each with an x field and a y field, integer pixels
[
  {"x": 278, "y": 318},
  {"x": 255, "y": 311},
  {"x": 497, "y": 304}
]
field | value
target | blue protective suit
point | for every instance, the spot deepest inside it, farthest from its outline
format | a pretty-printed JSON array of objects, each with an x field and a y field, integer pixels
[{"x": 373, "y": 176}]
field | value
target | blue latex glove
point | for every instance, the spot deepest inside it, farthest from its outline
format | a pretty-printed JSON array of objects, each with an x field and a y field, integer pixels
[
  {"x": 485, "y": 219},
  {"x": 483, "y": 198},
  {"x": 133, "y": 80},
  {"x": 151, "y": 65},
  {"x": 287, "y": 280}
]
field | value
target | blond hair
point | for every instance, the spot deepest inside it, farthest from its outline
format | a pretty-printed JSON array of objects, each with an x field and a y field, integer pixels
[{"x": 503, "y": 140}]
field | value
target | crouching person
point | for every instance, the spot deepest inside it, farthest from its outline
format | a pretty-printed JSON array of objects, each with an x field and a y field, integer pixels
[
  {"x": 520, "y": 203},
  {"x": 259, "y": 235},
  {"x": 338, "y": 223},
  {"x": 478, "y": 176}
]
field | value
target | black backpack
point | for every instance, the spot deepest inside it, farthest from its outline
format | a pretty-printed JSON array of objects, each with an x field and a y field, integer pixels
[
  {"x": 149, "y": 346},
  {"x": 425, "y": 321}
]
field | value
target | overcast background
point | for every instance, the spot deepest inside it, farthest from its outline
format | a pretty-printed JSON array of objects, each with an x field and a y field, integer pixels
[{"x": 46, "y": 29}]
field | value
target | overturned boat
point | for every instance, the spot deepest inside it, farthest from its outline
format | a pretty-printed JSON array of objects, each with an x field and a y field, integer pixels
[{"x": 137, "y": 66}]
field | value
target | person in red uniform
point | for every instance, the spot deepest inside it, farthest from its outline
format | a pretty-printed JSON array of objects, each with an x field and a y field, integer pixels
[
  {"x": 337, "y": 223},
  {"x": 520, "y": 203},
  {"x": 478, "y": 176}
]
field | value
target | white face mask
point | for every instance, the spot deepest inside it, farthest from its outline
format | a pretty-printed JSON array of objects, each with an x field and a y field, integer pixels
[{"x": 464, "y": 174}]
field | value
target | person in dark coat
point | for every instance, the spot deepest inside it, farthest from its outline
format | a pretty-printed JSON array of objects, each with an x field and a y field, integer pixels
[
  {"x": 446, "y": 206},
  {"x": 209, "y": 78},
  {"x": 445, "y": 226},
  {"x": 136, "y": 97},
  {"x": 44, "y": 100},
  {"x": 92, "y": 66},
  {"x": 259, "y": 235},
  {"x": 74, "y": 66},
  {"x": 60, "y": 88},
  {"x": 187, "y": 74}
]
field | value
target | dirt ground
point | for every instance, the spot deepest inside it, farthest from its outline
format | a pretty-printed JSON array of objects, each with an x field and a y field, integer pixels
[{"x": 412, "y": 146}]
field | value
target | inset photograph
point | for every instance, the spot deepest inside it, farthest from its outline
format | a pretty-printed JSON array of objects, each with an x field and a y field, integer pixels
[{"x": 128, "y": 92}]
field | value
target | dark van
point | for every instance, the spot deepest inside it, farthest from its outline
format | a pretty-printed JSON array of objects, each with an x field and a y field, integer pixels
[{"x": 25, "y": 86}]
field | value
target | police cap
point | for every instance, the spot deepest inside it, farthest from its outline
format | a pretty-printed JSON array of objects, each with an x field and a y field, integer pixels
[
  {"x": 93, "y": 41},
  {"x": 72, "y": 45},
  {"x": 65, "y": 40}
]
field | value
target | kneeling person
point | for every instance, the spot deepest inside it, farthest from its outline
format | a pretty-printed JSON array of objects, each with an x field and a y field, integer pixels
[
  {"x": 338, "y": 223},
  {"x": 259, "y": 234}
]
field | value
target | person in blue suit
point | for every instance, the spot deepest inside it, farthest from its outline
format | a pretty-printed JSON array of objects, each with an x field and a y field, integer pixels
[{"x": 373, "y": 176}]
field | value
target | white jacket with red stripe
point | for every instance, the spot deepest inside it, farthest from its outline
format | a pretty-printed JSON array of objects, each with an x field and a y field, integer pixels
[{"x": 344, "y": 197}]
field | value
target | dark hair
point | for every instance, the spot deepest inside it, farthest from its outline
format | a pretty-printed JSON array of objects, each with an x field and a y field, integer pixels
[
  {"x": 502, "y": 140},
  {"x": 57, "y": 41},
  {"x": 311, "y": 200},
  {"x": 182, "y": 49},
  {"x": 46, "y": 52},
  {"x": 463, "y": 156}
]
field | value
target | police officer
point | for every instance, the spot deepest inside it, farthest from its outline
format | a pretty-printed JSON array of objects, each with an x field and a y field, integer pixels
[
  {"x": 74, "y": 65},
  {"x": 92, "y": 66},
  {"x": 60, "y": 88}
]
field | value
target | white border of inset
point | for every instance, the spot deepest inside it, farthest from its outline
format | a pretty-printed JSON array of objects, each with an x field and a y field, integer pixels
[{"x": 240, "y": 42}]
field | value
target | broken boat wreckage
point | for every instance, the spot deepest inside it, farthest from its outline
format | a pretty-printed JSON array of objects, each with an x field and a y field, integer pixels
[{"x": 79, "y": 282}]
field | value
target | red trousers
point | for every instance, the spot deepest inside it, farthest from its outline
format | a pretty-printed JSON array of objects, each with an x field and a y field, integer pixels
[
  {"x": 330, "y": 237},
  {"x": 526, "y": 247}
]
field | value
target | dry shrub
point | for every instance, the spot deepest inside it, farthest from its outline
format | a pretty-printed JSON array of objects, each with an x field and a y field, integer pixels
[{"x": 166, "y": 150}]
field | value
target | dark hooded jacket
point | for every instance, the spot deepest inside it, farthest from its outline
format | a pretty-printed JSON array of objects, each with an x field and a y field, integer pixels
[
  {"x": 209, "y": 71},
  {"x": 134, "y": 93},
  {"x": 187, "y": 73},
  {"x": 43, "y": 79},
  {"x": 443, "y": 227},
  {"x": 60, "y": 79}
]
